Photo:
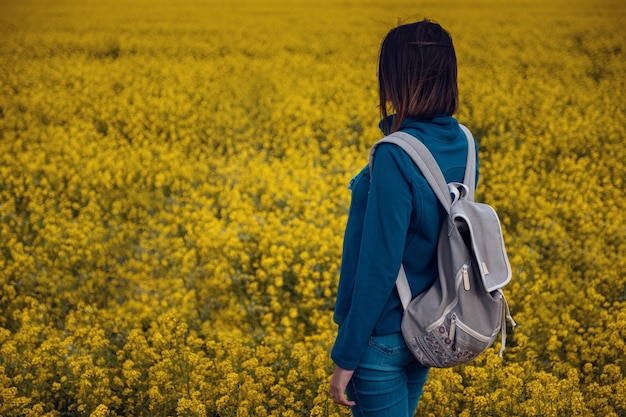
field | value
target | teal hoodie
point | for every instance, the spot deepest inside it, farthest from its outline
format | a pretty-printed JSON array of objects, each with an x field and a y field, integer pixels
[{"x": 394, "y": 219}]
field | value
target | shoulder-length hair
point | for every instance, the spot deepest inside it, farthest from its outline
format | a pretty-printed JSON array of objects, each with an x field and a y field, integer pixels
[{"x": 417, "y": 73}]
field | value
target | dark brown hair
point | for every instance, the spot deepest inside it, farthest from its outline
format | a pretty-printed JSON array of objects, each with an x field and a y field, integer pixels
[{"x": 417, "y": 73}]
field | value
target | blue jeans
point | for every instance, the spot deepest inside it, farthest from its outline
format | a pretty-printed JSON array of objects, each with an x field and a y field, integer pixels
[{"x": 389, "y": 381}]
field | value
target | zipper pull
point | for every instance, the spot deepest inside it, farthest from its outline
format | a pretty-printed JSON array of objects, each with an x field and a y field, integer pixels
[
  {"x": 466, "y": 281},
  {"x": 452, "y": 332}
]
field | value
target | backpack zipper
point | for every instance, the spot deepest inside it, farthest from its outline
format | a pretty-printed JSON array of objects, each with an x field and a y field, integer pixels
[
  {"x": 466, "y": 281},
  {"x": 452, "y": 331},
  {"x": 473, "y": 333}
]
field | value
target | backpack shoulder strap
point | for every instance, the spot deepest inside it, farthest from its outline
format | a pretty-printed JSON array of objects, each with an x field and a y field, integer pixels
[
  {"x": 427, "y": 164},
  {"x": 470, "y": 168},
  {"x": 424, "y": 161}
]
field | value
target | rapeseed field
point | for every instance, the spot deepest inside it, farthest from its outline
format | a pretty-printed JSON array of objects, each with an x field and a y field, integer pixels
[{"x": 173, "y": 196}]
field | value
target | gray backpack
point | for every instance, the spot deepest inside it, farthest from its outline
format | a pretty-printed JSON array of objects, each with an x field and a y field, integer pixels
[{"x": 461, "y": 314}]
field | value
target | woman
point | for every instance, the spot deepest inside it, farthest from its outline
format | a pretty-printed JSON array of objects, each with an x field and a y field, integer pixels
[{"x": 394, "y": 219}]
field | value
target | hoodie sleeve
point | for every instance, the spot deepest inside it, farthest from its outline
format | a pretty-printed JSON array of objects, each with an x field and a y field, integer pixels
[{"x": 387, "y": 216}]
